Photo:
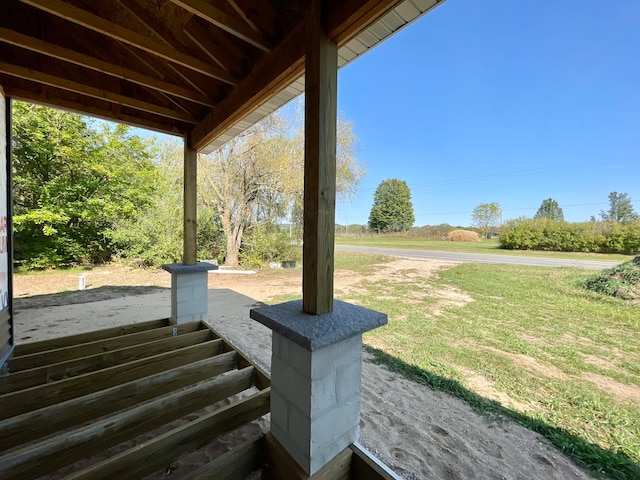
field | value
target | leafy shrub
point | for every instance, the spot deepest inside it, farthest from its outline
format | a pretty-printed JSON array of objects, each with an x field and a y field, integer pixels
[
  {"x": 155, "y": 236},
  {"x": 547, "y": 234},
  {"x": 264, "y": 244},
  {"x": 622, "y": 281},
  {"x": 463, "y": 236}
]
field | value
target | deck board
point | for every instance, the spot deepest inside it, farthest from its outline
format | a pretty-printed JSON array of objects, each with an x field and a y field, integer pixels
[{"x": 67, "y": 400}]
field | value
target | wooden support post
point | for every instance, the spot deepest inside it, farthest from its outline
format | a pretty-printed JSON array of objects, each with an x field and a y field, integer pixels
[
  {"x": 190, "y": 241},
  {"x": 321, "y": 86}
]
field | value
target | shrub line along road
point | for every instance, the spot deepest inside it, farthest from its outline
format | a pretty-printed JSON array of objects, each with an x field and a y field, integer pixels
[{"x": 480, "y": 257}]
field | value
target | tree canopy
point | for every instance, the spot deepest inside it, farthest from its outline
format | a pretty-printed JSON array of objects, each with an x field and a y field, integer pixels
[
  {"x": 620, "y": 209},
  {"x": 485, "y": 216},
  {"x": 392, "y": 210},
  {"x": 72, "y": 180},
  {"x": 257, "y": 178},
  {"x": 550, "y": 209}
]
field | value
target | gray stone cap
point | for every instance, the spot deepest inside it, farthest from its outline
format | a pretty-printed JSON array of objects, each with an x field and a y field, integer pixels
[
  {"x": 314, "y": 332},
  {"x": 182, "y": 268}
]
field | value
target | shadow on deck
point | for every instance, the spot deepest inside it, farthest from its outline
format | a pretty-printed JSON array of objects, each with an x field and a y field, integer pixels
[{"x": 135, "y": 401}]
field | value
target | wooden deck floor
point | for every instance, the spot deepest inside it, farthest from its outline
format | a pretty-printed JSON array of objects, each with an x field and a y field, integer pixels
[{"x": 147, "y": 393}]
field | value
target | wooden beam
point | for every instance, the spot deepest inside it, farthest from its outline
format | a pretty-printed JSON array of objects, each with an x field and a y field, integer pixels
[
  {"x": 238, "y": 462},
  {"x": 117, "y": 32},
  {"x": 278, "y": 464},
  {"x": 190, "y": 212},
  {"x": 16, "y": 403},
  {"x": 149, "y": 456},
  {"x": 236, "y": 27},
  {"x": 321, "y": 97},
  {"x": 259, "y": 14},
  {"x": 364, "y": 465},
  {"x": 262, "y": 379},
  {"x": 165, "y": 36},
  {"x": 48, "y": 455},
  {"x": 216, "y": 44},
  {"x": 170, "y": 70},
  {"x": 51, "y": 50},
  {"x": 271, "y": 74},
  {"x": 47, "y": 373},
  {"x": 48, "y": 98},
  {"x": 347, "y": 18},
  {"x": 285, "y": 64},
  {"x": 30, "y": 426},
  {"x": 102, "y": 345},
  {"x": 94, "y": 92},
  {"x": 88, "y": 337}
]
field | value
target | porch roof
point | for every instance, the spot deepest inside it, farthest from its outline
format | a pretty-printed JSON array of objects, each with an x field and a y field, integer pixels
[{"x": 198, "y": 68}]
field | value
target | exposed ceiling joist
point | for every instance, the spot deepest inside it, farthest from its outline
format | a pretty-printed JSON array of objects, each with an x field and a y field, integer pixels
[
  {"x": 117, "y": 32},
  {"x": 52, "y": 50},
  {"x": 268, "y": 76},
  {"x": 81, "y": 88},
  {"x": 258, "y": 14},
  {"x": 205, "y": 68},
  {"x": 48, "y": 97},
  {"x": 223, "y": 20},
  {"x": 216, "y": 45}
]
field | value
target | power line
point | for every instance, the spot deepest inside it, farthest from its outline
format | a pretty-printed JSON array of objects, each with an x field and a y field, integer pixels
[
  {"x": 523, "y": 173},
  {"x": 570, "y": 205}
]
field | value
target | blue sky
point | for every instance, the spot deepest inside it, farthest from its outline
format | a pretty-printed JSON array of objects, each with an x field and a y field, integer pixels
[{"x": 500, "y": 101}]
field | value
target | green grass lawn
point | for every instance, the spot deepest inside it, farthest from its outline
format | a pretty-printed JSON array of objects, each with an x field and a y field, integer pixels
[
  {"x": 484, "y": 246},
  {"x": 558, "y": 359}
]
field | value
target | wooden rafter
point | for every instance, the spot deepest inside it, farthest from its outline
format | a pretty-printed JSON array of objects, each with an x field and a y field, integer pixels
[
  {"x": 49, "y": 97},
  {"x": 49, "y": 49},
  {"x": 207, "y": 63},
  {"x": 117, "y": 32},
  {"x": 215, "y": 44},
  {"x": 258, "y": 14},
  {"x": 223, "y": 20},
  {"x": 81, "y": 88},
  {"x": 269, "y": 74},
  {"x": 265, "y": 80}
]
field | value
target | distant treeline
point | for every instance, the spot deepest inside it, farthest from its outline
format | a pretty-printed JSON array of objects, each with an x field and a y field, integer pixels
[{"x": 593, "y": 236}]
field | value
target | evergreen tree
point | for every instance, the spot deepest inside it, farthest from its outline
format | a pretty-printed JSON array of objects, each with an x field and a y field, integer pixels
[
  {"x": 551, "y": 210},
  {"x": 392, "y": 209}
]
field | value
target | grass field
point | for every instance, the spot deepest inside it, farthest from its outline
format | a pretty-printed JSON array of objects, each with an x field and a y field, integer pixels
[
  {"x": 484, "y": 246},
  {"x": 562, "y": 361}
]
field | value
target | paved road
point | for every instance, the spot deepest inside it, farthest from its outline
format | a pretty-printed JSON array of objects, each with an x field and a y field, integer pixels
[{"x": 481, "y": 257}]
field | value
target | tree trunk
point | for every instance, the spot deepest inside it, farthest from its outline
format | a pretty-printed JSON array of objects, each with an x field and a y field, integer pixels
[
  {"x": 233, "y": 234},
  {"x": 231, "y": 258}
]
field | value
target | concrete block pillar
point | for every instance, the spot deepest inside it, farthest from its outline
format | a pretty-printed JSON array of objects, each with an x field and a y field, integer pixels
[
  {"x": 189, "y": 291},
  {"x": 316, "y": 366}
]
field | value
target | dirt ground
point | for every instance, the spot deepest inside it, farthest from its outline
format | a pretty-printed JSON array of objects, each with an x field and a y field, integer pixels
[{"x": 419, "y": 432}]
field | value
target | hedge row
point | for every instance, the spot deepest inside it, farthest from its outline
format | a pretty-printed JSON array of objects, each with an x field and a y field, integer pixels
[{"x": 545, "y": 234}]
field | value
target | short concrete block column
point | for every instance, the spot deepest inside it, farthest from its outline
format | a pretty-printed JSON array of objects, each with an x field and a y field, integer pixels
[
  {"x": 316, "y": 366},
  {"x": 189, "y": 291}
]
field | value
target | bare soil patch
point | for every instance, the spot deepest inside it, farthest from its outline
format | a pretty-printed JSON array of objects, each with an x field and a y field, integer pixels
[
  {"x": 531, "y": 363},
  {"x": 620, "y": 391}
]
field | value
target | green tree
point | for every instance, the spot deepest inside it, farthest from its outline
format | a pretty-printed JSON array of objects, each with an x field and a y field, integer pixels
[
  {"x": 620, "y": 209},
  {"x": 155, "y": 235},
  {"x": 485, "y": 216},
  {"x": 392, "y": 210},
  {"x": 550, "y": 209},
  {"x": 72, "y": 181},
  {"x": 257, "y": 178}
]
